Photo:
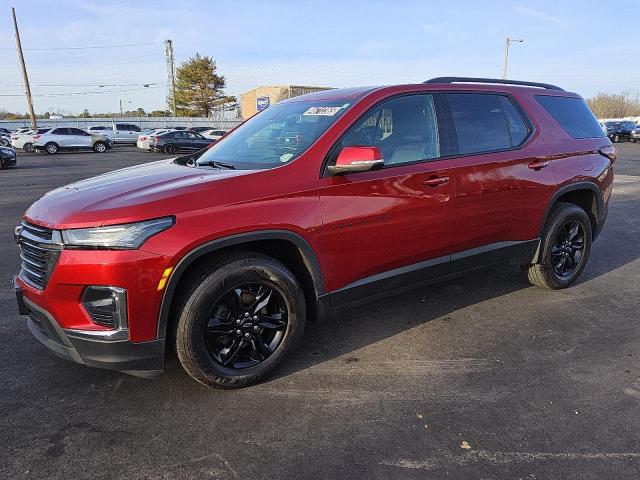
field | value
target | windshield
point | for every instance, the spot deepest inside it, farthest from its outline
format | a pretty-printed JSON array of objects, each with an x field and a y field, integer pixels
[{"x": 276, "y": 136}]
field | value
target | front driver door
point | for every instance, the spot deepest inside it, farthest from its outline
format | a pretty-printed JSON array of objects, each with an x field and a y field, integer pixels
[
  {"x": 392, "y": 227},
  {"x": 79, "y": 138}
]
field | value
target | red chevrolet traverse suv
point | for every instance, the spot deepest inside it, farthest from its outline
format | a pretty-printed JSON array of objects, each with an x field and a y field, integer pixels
[{"x": 312, "y": 204}]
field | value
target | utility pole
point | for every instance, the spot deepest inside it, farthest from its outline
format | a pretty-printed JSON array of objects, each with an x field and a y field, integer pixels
[
  {"x": 25, "y": 78},
  {"x": 125, "y": 101},
  {"x": 508, "y": 41},
  {"x": 168, "y": 53}
]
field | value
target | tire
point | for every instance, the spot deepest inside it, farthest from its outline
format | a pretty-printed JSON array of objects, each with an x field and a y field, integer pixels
[
  {"x": 2, "y": 164},
  {"x": 4, "y": 143},
  {"x": 616, "y": 138},
  {"x": 215, "y": 296},
  {"x": 28, "y": 147},
  {"x": 632, "y": 140},
  {"x": 51, "y": 148},
  {"x": 169, "y": 149},
  {"x": 554, "y": 250},
  {"x": 99, "y": 147}
]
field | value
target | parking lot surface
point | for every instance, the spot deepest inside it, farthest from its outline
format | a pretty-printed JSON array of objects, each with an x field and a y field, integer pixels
[{"x": 480, "y": 377}]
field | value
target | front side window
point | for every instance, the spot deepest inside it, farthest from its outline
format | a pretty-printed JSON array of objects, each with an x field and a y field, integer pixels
[
  {"x": 486, "y": 122},
  {"x": 405, "y": 129},
  {"x": 277, "y": 135}
]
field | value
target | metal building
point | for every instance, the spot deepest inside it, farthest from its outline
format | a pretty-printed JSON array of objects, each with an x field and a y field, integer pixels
[{"x": 260, "y": 98}]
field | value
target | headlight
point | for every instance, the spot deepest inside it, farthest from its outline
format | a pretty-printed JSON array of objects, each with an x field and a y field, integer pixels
[{"x": 125, "y": 236}]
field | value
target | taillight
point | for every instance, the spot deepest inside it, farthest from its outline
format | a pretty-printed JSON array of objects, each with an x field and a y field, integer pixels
[
  {"x": 142, "y": 139},
  {"x": 36, "y": 137},
  {"x": 609, "y": 151}
]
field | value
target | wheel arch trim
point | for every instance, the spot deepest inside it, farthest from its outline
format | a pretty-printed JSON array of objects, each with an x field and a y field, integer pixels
[
  {"x": 306, "y": 251},
  {"x": 572, "y": 187}
]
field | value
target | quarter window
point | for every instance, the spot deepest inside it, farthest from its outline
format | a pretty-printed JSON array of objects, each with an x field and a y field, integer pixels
[
  {"x": 486, "y": 122},
  {"x": 405, "y": 129},
  {"x": 573, "y": 115}
]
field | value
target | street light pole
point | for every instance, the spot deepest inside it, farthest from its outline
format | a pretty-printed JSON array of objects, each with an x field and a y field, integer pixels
[
  {"x": 125, "y": 101},
  {"x": 508, "y": 41}
]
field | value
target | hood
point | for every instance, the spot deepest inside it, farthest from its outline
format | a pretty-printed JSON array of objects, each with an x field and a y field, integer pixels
[{"x": 136, "y": 193}]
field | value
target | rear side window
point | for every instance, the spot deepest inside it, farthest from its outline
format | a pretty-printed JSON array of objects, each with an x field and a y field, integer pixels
[
  {"x": 486, "y": 122},
  {"x": 573, "y": 115}
]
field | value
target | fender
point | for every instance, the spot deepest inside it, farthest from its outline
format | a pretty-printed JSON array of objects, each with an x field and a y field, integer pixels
[
  {"x": 571, "y": 187},
  {"x": 307, "y": 253}
]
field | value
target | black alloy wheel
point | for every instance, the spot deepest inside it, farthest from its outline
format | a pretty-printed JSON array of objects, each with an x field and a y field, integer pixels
[
  {"x": 170, "y": 148},
  {"x": 237, "y": 318},
  {"x": 246, "y": 326},
  {"x": 568, "y": 249},
  {"x": 564, "y": 249}
]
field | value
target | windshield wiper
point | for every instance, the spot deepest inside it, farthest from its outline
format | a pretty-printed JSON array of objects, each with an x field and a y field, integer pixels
[{"x": 217, "y": 164}]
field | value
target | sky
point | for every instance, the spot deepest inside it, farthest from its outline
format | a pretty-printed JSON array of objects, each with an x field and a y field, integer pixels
[{"x": 583, "y": 46}]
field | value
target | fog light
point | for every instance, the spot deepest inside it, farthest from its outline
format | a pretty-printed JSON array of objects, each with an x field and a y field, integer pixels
[{"x": 107, "y": 306}]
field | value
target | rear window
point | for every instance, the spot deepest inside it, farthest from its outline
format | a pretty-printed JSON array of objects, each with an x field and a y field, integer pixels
[
  {"x": 486, "y": 122},
  {"x": 573, "y": 115}
]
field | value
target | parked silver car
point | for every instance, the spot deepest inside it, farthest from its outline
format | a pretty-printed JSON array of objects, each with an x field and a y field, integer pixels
[
  {"x": 70, "y": 139},
  {"x": 635, "y": 134}
]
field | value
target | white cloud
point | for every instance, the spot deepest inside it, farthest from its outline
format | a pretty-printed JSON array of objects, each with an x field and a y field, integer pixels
[{"x": 537, "y": 14}]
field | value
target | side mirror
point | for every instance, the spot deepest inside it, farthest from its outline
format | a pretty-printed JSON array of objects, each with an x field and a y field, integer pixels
[{"x": 357, "y": 159}]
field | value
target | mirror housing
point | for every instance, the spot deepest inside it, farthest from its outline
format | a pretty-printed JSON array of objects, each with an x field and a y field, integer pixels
[{"x": 357, "y": 159}]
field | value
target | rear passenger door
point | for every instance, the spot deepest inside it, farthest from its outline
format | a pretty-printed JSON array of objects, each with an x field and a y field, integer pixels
[
  {"x": 132, "y": 133},
  {"x": 62, "y": 137},
  {"x": 181, "y": 141},
  {"x": 500, "y": 187}
]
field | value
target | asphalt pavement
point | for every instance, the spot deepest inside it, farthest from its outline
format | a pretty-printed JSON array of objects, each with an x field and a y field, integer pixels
[{"x": 480, "y": 377}]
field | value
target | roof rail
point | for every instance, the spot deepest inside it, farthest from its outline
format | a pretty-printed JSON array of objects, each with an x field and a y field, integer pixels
[{"x": 493, "y": 80}]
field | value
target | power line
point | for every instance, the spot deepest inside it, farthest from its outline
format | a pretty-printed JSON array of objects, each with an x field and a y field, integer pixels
[
  {"x": 144, "y": 84},
  {"x": 90, "y": 47},
  {"x": 95, "y": 92}
]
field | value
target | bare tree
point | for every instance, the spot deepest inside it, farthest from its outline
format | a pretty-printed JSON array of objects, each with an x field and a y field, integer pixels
[{"x": 615, "y": 105}]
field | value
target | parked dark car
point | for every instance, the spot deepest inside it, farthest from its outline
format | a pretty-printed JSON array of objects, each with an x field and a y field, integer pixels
[
  {"x": 172, "y": 142},
  {"x": 619, "y": 131},
  {"x": 8, "y": 157},
  {"x": 5, "y": 131}
]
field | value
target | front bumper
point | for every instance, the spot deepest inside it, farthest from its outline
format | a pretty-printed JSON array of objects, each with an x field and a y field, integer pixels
[{"x": 101, "y": 349}]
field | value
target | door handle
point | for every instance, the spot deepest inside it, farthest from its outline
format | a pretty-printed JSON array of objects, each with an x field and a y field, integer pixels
[
  {"x": 539, "y": 165},
  {"x": 435, "y": 181}
]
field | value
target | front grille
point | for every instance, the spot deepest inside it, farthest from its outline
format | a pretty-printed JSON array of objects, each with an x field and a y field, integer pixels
[
  {"x": 42, "y": 232},
  {"x": 39, "y": 252}
]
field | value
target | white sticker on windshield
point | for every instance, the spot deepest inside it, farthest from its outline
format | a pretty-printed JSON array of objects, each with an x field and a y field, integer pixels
[
  {"x": 325, "y": 111},
  {"x": 286, "y": 157}
]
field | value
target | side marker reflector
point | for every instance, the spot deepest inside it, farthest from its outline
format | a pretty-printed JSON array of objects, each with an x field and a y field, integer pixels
[{"x": 165, "y": 277}]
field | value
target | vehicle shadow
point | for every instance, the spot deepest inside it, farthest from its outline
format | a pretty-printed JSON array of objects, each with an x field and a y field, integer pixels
[{"x": 383, "y": 318}]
